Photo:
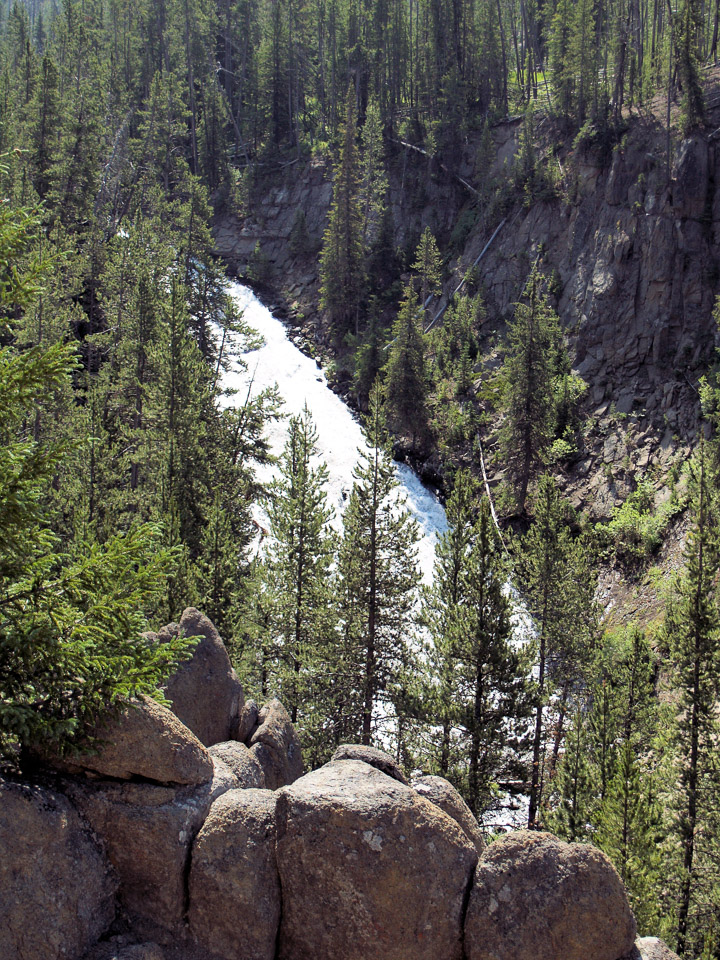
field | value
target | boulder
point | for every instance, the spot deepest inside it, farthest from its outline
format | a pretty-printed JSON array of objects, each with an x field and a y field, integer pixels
[
  {"x": 234, "y": 887},
  {"x": 538, "y": 898},
  {"x": 376, "y": 758},
  {"x": 145, "y": 740},
  {"x": 368, "y": 868},
  {"x": 444, "y": 795},
  {"x": 205, "y": 692},
  {"x": 148, "y": 832},
  {"x": 243, "y": 764},
  {"x": 247, "y": 722},
  {"x": 56, "y": 889},
  {"x": 276, "y": 747},
  {"x": 652, "y": 948}
]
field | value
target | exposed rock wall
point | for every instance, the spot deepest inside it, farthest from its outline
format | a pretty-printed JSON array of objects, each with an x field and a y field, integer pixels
[
  {"x": 636, "y": 272},
  {"x": 634, "y": 262},
  {"x": 636, "y": 259},
  {"x": 349, "y": 861}
]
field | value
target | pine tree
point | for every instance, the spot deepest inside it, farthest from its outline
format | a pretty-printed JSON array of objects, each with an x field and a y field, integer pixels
[
  {"x": 297, "y": 570},
  {"x": 582, "y": 56},
  {"x": 374, "y": 183},
  {"x": 626, "y": 821},
  {"x": 491, "y": 685},
  {"x": 689, "y": 22},
  {"x": 478, "y": 694},
  {"x": 692, "y": 630},
  {"x": 428, "y": 266},
  {"x": 628, "y": 831},
  {"x": 560, "y": 61},
  {"x": 573, "y": 784},
  {"x": 342, "y": 264},
  {"x": 558, "y": 585},
  {"x": 442, "y": 613},
  {"x": 45, "y": 123},
  {"x": 369, "y": 360},
  {"x": 377, "y": 579},
  {"x": 405, "y": 380},
  {"x": 71, "y": 644},
  {"x": 218, "y": 569},
  {"x": 528, "y": 377}
]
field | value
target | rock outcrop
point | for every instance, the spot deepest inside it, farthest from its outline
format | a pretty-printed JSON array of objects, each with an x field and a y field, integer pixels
[
  {"x": 139, "y": 855},
  {"x": 538, "y": 898},
  {"x": 631, "y": 255},
  {"x": 234, "y": 885},
  {"x": 247, "y": 722},
  {"x": 205, "y": 692},
  {"x": 241, "y": 761},
  {"x": 444, "y": 795},
  {"x": 144, "y": 741},
  {"x": 276, "y": 747},
  {"x": 56, "y": 890},
  {"x": 376, "y": 758},
  {"x": 368, "y": 868},
  {"x": 652, "y": 948},
  {"x": 148, "y": 832}
]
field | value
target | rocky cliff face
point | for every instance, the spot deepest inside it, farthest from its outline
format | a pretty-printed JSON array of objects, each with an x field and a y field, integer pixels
[
  {"x": 634, "y": 261},
  {"x": 155, "y": 849}
]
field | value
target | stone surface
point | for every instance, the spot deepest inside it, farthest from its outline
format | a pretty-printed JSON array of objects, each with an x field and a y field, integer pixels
[
  {"x": 124, "y": 948},
  {"x": 690, "y": 176},
  {"x": 56, "y": 890},
  {"x": 376, "y": 758},
  {"x": 204, "y": 691},
  {"x": 241, "y": 761},
  {"x": 538, "y": 898},
  {"x": 628, "y": 257},
  {"x": 148, "y": 832},
  {"x": 444, "y": 795},
  {"x": 147, "y": 741},
  {"x": 653, "y": 948},
  {"x": 368, "y": 869},
  {"x": 247, "y": 722},
  {"x": 276, "y": 747},
  {"x": 234, "y": 886}
]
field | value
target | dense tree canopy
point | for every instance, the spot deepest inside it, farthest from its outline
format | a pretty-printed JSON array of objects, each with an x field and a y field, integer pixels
[{"x": 127, "y": 485}]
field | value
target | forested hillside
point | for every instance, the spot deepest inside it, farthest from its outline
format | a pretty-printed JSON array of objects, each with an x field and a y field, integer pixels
[{"x": 496, "y": 221}]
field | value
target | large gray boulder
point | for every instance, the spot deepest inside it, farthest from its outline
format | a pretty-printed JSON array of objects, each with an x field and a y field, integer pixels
[
  {"x": 444, "y": 795},
  {"x": 538, "y": 898},
  {"x": 144, "y": 740},
  {"x": 148, "y": 832},
  {"x": 376, "y": 758},
  {"x": 247, "y": 722},
  {"x": 234, "y": 886},
  {"x": 276, "y": 747},
  {"x": 368, "y": 869},
  {"x": 653, "y": 948},
  {"x": 56, "y": 889},
  {"x": 205, "y": 692},
  {"x": 242, "y": 762}
]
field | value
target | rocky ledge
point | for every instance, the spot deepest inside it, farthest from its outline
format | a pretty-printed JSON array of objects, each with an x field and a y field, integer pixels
[{"x": 192, "y": 834}]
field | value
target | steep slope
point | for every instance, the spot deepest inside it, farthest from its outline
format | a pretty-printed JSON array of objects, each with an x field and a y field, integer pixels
[{"x": 633, "y": 256}]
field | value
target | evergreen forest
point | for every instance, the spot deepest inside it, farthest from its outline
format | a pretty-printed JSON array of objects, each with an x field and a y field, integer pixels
[{"x": 129, "y": 484}]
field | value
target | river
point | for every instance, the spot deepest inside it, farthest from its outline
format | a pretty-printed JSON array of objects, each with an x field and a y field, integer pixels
[{"x": 340, "y": 438}]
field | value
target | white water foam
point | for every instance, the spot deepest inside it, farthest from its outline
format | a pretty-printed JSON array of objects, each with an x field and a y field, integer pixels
[{"x": 340, "y": 438}]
